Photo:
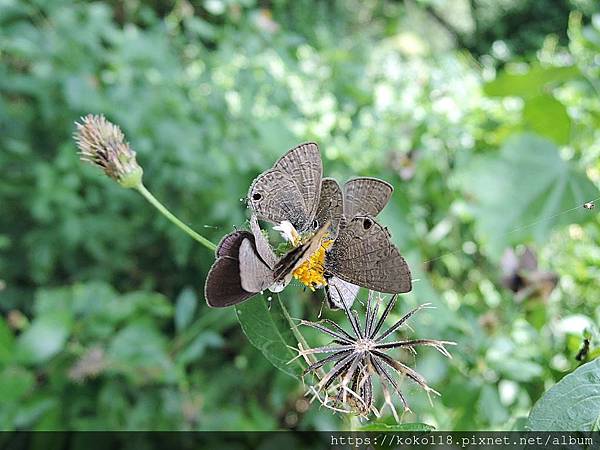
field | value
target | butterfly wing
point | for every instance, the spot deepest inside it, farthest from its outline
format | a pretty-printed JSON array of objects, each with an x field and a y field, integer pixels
[
  {"x": 363, "y": 254},
  {"x": 339, "y": 292},
  {"x": 331, "y": 205},
  {"x": 366, "y": 196},
  {"x": 295, "y": 257},
  {"x": 291, "y": 189},
  {"x": 263, "y": 247},
  {"x": 255, "y": 275},
  {"x": 223, "y": 283}
]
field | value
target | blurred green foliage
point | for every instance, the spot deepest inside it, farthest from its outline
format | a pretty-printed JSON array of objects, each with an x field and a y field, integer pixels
[{"x": 103, "y": 325}]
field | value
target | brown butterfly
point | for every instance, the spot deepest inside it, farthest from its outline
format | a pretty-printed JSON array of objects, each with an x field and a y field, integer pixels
[{"x": 346, "y": 251}]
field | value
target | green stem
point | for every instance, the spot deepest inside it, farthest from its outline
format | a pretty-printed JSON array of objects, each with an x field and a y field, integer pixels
[
  {"x": 297, "y": 334},
  {"x": 158, "y": 205},
  {"x": 295, "y": 331}
]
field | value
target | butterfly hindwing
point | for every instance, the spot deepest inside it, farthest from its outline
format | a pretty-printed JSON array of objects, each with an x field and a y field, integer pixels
[
  {"x": 223, "y": 283},
  {"x": 339, "y": 292},
  {"x": 366, "y": 196},
  {"x": 263, "y": 248},
  {"x": 363, "y": 254},
  {"x": 255, "y": 275}
]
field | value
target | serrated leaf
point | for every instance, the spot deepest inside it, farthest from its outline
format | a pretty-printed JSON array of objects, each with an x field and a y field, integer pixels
[
  {"x": 511, "y": 205},
  {"x": 185, "y": 308},
  {"x": 397, "y": 427},
  {"x": 571, "y": 404},
  {"x": 269, "y": 331}
]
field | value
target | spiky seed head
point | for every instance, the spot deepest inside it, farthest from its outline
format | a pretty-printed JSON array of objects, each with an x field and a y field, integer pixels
[
  {"x": 359, "y": 356},
  {"x": 103, "y": 144}
]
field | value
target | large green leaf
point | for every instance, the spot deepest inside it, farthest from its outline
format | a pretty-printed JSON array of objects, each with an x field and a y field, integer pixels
[
  {"x": 572, "y": 404},
  {"x": 548, "y": 117},
  {"x": 45, "y": 337},
  {"x": 269, "y": 331},
  {"x": 530, "y": 82},
  {"x": 523, "y": 192}
]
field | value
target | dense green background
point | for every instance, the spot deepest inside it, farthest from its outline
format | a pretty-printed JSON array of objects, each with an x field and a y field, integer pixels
[{"x": 483, "y": 114}]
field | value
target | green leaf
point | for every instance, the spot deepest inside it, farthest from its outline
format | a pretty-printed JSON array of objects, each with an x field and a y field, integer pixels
[
  {"x": 269, "y": 331},
  {"x": 511, "y": 205},
  {"x": 571, "y": 404},
  {"x": 149, "y": 303},
  {"x": 14, "y": 383},
  {"x": 140, "y": 351},
  {"x": 548, "y": 117},
  {"x": 33, "y": 410},
  {"x": 528, "y": 83},
  {"x": 490, "y": 407},
  {"x": 517, "y": 369},
  {"x": 185, "y": 308},
  {"x": 6, "y": 342},
  {"x": 197, "y": 348},
  {"x": 45, "y": 337},
  {"x": 397, "y": 427}
]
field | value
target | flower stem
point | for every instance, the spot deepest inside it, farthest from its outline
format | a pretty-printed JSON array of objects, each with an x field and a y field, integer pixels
[
  {"x": 165, "y": 212},
  {"x": 293, "y": 327},
  {"x": 297, "y": 334}
]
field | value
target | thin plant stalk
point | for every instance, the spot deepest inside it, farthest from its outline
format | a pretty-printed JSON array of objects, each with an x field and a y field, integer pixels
[{"x": 169, "y": 215}]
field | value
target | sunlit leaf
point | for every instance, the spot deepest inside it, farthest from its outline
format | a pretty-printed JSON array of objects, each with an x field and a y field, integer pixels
[
  {"x": 523, "y": 192},
  {"x": 530, "y": 82},
  {"x": 548, "y": 117}
]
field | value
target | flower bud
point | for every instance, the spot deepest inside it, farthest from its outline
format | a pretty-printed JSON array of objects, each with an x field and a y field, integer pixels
[{"x": 103, "y": 144}]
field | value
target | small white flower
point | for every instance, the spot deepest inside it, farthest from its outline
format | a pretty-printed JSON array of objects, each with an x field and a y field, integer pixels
[{"x": 288, "y": 232}]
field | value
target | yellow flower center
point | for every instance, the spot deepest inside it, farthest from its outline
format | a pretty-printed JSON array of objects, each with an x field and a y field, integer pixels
[{"x": 311, "y": 272}]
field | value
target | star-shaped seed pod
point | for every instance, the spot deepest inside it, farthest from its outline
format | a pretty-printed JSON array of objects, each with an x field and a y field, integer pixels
[{"x": 360, "y": 355}]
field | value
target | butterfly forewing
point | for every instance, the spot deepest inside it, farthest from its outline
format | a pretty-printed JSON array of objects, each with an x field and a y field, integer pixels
[
  {"x": 275, "y": 197},
  {"x": 303, "y": 164},
  {"x": 294, "y": 258},
  {"x": 331, "y": 205},
  {"x": 363, "y": 254},
  {"x": 366, "y": 196},
  {"x": 290, "y": 190}
]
